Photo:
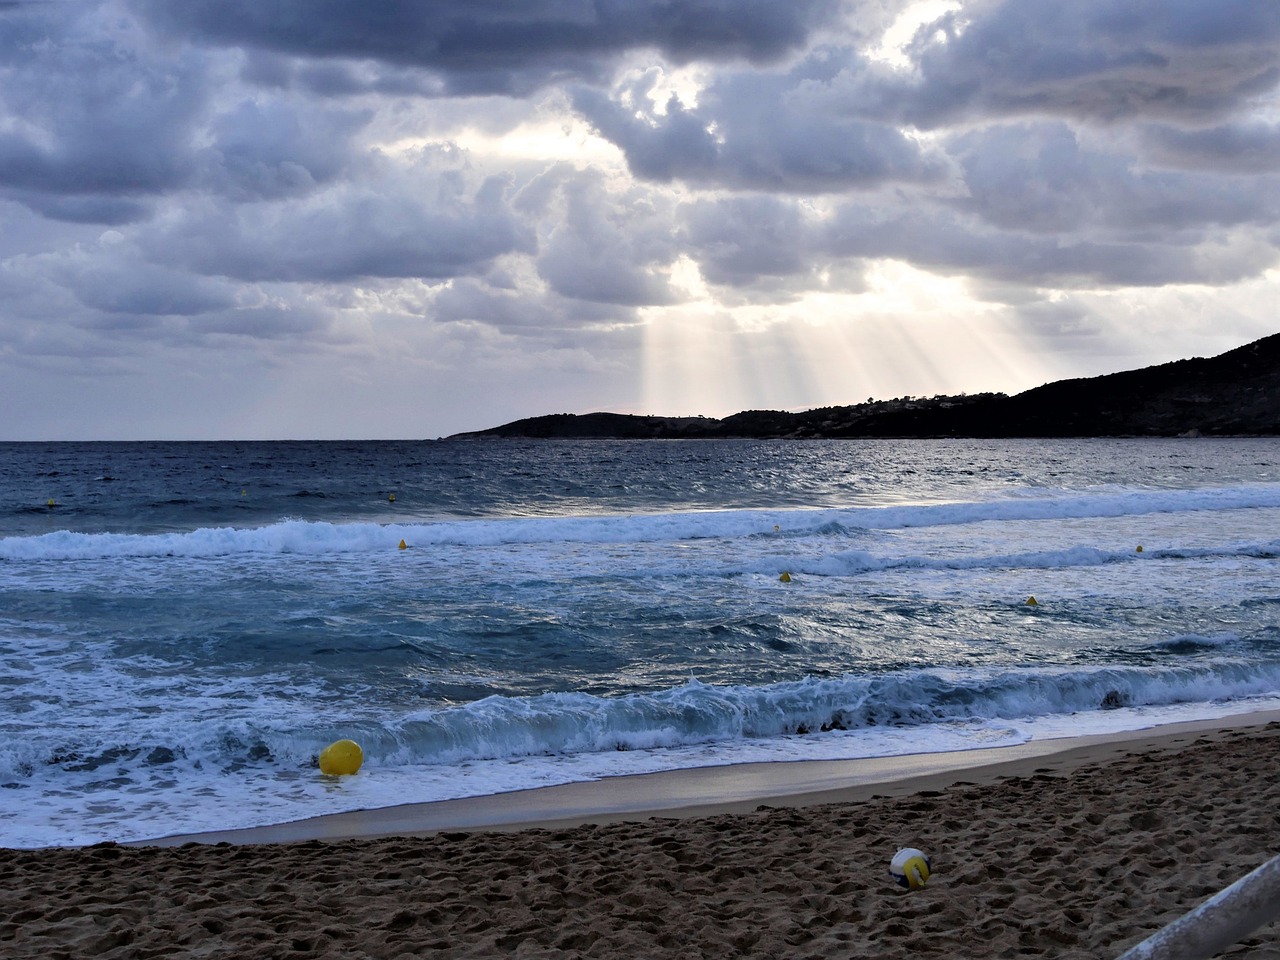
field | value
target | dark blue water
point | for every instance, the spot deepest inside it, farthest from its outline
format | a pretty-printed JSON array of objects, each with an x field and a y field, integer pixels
[{"x": 154, "y": 487}]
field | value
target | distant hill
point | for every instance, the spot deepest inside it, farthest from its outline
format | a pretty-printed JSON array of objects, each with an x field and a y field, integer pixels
[{"x": 1234, "y": 394}]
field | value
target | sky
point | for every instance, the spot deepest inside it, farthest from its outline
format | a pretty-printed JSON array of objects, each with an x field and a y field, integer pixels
[{"x": 319, "y": 219}]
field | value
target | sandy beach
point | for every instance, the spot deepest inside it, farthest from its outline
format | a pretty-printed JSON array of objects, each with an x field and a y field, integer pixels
[{"x": 1081, "y": 851}]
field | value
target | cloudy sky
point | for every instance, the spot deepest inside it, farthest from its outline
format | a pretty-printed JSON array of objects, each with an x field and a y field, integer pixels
[{"x": 400, "y": 218}]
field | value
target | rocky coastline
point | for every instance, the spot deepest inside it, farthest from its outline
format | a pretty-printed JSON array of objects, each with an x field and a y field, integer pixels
[{"x": 1234, "y": 394}]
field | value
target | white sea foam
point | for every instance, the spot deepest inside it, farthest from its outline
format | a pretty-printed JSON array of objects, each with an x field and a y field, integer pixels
[
  {"x": 312, "y": 537},
  {"x": 186, "y": 797}
]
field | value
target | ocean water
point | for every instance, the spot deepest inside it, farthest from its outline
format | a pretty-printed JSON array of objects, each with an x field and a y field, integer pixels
[{"x": 184, "y": 626}]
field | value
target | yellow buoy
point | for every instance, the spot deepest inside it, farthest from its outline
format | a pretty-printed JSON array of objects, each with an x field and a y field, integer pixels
[
  {"x": 403, "y": 545},
  {"x": 1139, "y": 550},
  {"x": 1032, "y": 602},
  {"x": 51, "y": 503},
  {"x": 341, "y": 758},
  {"x": 786, "y": 577},
  {"x": 392, "y": 498}
]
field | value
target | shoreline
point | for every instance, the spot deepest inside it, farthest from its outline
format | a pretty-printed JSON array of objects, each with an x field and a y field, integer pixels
[
  {"x": 1077, "y": 854},
  {"x": 736, "y": 789}
]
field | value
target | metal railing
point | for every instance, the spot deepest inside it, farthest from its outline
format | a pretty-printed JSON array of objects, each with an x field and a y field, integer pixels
[{"x": 1223, "y": 919}]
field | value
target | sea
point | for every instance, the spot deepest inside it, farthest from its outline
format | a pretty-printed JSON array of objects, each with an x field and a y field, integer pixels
[{"x": 185, "y": 626}]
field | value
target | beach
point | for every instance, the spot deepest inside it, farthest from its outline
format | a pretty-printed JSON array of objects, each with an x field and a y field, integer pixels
[{"x": 1078, "y": 852}]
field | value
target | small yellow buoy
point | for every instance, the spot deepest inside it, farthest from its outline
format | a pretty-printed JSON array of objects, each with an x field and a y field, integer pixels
[
  {"x": 341, "y": 758},
  {"x": 786, "y": 577},
  {"x": 51, "y": 503},
  {"x": 1139, "y": 550},
  {"x": 1032, "y": 602},
  {"x": 403, "y": 545},
  {"x": 392, "y": 498}
]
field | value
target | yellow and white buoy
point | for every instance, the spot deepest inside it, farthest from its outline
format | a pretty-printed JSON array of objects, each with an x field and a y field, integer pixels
[{"x": 341, "y": 758}]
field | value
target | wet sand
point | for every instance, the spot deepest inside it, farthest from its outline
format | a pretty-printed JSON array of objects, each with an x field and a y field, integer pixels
[{"x": 1077, "y": 852}]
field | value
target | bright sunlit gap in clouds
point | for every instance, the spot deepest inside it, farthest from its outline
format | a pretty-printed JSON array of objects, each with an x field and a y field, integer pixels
[
  {"x": 538, "y": 140},
  {"x": 892, "y": 46},
  {"x": 908, "y": 332}
]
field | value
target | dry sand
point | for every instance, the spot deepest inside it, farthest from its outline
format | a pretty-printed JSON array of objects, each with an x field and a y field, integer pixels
[{"x": 1080, "y": 853}]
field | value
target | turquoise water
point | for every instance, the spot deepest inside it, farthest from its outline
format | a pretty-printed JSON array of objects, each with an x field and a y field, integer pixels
[{"x": 187, "y": 625}]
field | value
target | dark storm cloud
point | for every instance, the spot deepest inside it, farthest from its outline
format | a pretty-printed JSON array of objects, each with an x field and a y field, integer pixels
[
  {"x": 1058, "y": 319},
  {"x": 775, "y": 245},
  {"x": 294, "y": 322},
  {"x": 510, "y": 47},
  {"x": 86, "y": 115},
  {"x": 954, "y": 244},
  {"x": 756, "y": 131},
  {"x": 604, "y": 247},
  {"x": 830, "y": 122},
  {"x": 470, "y": 301},
  {"x": 1246, "y": 147},
  {"x": 550, "y": 319},
  {"x": 740, "y": 240},
  {"x": 426, "y": 226},
  {"x": 1058, "y": 175},
  {"x": 272, "y": 149},
  {"x": 106, "y": 210},
  {"x": 142, "y": 289},
  {"x": 98, "y": 126},
  {"x": 1039, "y": 178},
  {"x": 1091, "y": 59}
]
